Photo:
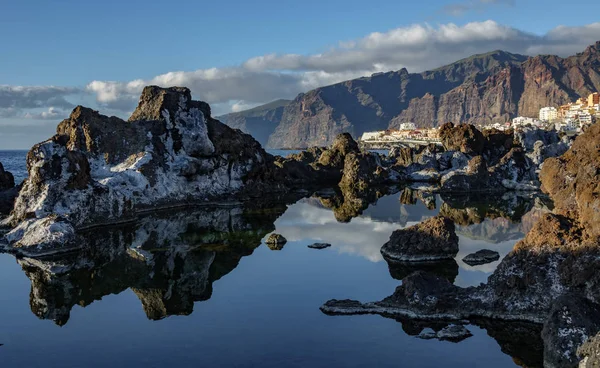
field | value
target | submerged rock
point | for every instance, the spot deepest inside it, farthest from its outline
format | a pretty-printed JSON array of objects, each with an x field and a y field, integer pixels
[
  {"x": 481, "y": 257},
  {"x": 454, "y": 333},
  {"x": 319, "y": 245},
  {"x": 431, "y": 240}
]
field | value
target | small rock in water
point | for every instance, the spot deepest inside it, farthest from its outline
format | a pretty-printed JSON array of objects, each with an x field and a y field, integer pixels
[
  {"x": 454, "y": 333},
  {"x": 276, "y": 239},
  {"x": 319, "y": 245},
  {"x": 481, "y": 257},
  {"x": 427, "y": 334}
]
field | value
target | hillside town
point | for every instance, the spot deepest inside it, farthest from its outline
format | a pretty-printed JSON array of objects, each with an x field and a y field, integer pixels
[{"x": 571, "y": 118}]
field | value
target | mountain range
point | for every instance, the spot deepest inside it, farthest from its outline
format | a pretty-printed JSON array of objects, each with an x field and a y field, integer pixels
[{"x": 481, "y": 89}]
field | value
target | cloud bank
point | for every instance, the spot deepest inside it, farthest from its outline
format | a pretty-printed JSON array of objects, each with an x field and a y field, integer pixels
[{"x": 265, "y": 78}]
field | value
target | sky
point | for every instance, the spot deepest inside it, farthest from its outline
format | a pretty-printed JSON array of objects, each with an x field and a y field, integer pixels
[{"x": 239, "y": 54}]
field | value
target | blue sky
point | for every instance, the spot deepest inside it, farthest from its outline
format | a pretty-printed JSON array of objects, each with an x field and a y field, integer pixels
[{"x": 101, "y": 53}]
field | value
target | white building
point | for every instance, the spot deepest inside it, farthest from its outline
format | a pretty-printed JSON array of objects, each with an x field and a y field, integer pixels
[
  {"x": 369, "y": 136},
  {"x": 585, "y": 118},
  {"x": 522, "y": 121},
  {"x": 408, "y": 126},
  {"x": 566, "y": 126},
  {"x": 548, "y": 113}
]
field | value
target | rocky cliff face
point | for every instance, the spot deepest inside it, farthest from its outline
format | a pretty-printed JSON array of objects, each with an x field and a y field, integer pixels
[
  {"x": 100, "y": 169},
  {"x": 482, "y": 89},
  {"x": 260, "y": 122}
]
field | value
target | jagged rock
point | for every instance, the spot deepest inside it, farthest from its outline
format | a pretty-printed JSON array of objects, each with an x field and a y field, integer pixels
[
  {"x": 7, "y": 181},
  {"x": 276, "y": 239},
  {"x": 319, "y": 245},
  {"x": 462, "y": 137},
  {"x": 481, "y": 257},
  {"x": 431, "y": 240},
  {"x": 514, "y": 168},
  {"x": 572, "y": 320},
  {"x": 100, "y": 169},
  {"x": 572, "y": 181},
  {"x": 473, "y": 178}
]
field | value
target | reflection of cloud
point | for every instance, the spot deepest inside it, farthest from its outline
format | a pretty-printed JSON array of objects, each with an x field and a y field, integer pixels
[
  {"x": 307, "y": 221},
  {"x": 362, "y": 236}
]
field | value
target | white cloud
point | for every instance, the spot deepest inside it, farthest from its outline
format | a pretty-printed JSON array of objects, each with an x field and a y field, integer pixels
[
  {"x": 417, "y": 47},
  {"x": 52, "y": 113}
]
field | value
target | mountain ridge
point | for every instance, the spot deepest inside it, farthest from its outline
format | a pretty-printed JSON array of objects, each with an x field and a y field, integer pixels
[{"x": 485, "y": 88}]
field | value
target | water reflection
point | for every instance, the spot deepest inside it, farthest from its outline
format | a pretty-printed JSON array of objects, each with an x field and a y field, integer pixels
[{"x": 170, "y": 261}]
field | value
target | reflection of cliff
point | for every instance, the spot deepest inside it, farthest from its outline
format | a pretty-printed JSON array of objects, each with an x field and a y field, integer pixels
[{"x": 169, "y": 260}]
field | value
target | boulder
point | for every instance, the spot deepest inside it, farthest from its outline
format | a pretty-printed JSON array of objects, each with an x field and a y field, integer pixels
[
  {"x": 7, "y": 180},
  {"x": 431, "y": 240},
  {"x": 481, "y": 257},
  {"x": 319, "y": 245},
  {"x": 276, "y": 239},
  {"x": 462, "y": 137},
  {"x": 473, "y": 178}
]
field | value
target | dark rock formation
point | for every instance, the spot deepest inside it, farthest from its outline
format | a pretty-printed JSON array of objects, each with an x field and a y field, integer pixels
[
  {"x": 431, "y": 240},
  {"x": 464, "y": 138},
  {"x": 319, "y": 245},
  {"x": 100, "y": 169},
  {"x": 481, "y": 257},
  {"x": 7, "y": 180},
  {"x": 482, "y": 89},
  {"x": 572, "y": 320}
]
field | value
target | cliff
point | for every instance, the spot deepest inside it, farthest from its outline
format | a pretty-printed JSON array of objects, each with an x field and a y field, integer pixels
[
  {"x": 482, "y": 89},
  {"x": 260, "y": 122}
]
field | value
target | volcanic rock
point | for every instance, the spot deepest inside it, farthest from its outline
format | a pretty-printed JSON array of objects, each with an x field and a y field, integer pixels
[
  {"x": 7, "y": 180},
  {"x": 319, "y": 245},
  {"x": 481, "y": 257},
  {"x": 100, "y": 169},
  {"x": 431, "y": 240}
]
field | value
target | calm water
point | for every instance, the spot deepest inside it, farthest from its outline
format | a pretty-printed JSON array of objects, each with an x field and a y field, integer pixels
[
  {"x": 200, "y": 288},
  {"x": 15, "y": 162}
]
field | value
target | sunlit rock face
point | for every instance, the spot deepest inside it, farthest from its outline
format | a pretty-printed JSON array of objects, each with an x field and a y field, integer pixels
[
  {"x": 100, "y": 169},
  {"x": 169, "y": 260}
]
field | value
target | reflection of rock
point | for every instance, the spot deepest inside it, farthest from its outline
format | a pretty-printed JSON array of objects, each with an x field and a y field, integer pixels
[
  {"x": 473, "y": 209},
  {"x": 480, "y": 257},
  {"x": 349, "y": 203},
  {"x": 447, "y": 268},
  {"x": 430, "y": 240},
  {"x": 169, "y": 260}
]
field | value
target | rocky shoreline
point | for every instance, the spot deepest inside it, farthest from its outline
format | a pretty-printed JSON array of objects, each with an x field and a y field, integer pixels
[
  {"x": 549, "y": 278},
  {"x": 171, "y": 153}
]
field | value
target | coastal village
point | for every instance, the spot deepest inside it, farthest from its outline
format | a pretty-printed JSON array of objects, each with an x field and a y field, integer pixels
[{"x": 571, "y": 118}]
